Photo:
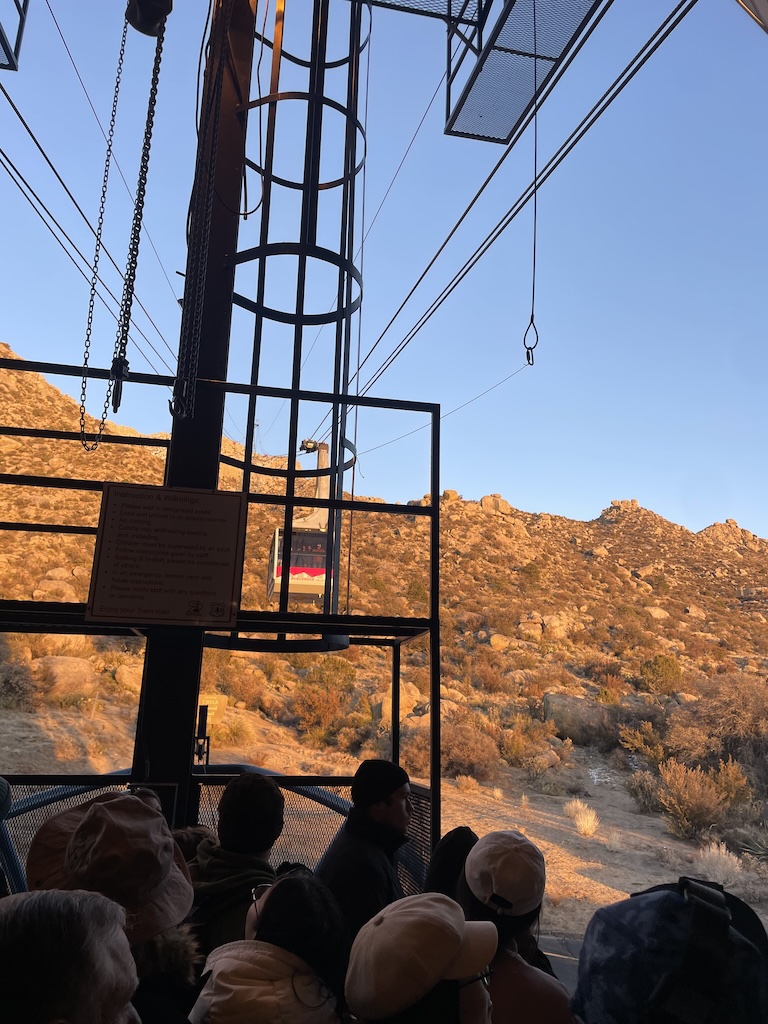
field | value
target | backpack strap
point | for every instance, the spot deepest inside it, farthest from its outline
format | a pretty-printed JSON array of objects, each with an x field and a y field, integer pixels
[{"x": 690, "y": 994}]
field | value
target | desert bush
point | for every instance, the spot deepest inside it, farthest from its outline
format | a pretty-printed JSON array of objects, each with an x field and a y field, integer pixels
[
  {"x": 732, "y": 714},
  {"x": 17, "y": 687},
  {"x": 524, "y": 739},
  {"x": 644, "y": 741},
  {"x": 232, "y": 732},
  {"x": 643, "y": 787},
  {"x": 325, "y": 698},
  {"x": 585, "y": 818},
  {"x": 715, "y": 862},
  {"x": 661, "y": 674},
  {"x": 467, "y": 784},
  {"x": 414, "y": 752},
  {"x": 467, "y": 750},
  {"x": 692, "y": 799},
  {"x": 244, "y": 687}
]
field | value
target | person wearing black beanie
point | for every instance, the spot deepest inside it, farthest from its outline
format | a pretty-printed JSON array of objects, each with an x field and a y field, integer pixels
[{"x": 359, "y": 867}]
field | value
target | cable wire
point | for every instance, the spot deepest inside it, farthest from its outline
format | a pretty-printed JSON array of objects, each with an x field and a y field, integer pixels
[
  {"x": 614, "y": 90},
  {"x": 101, "y": 129}
]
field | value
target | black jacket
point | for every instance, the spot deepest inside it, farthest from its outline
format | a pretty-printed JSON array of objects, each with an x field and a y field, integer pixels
[{"x": 359, "y": 867}]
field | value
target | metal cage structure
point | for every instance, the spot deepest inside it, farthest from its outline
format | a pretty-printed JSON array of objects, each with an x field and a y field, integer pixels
[
  {"x": 11, "y": 33},
  {"x": 256, "y": 296}
]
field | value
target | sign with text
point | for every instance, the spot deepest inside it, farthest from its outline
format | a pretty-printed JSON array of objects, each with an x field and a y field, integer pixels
[{"x": 168, "y": 555}]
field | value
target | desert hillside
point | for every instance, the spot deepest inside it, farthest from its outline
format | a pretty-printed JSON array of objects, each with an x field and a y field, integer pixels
[{"x": 621, "y": 662}]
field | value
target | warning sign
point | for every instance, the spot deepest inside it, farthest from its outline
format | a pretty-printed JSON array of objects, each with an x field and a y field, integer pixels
[{"x": 168, "y": 555}]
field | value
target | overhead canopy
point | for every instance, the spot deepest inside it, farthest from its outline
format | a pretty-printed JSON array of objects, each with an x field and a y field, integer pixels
[{"x": 758, "y": 9}]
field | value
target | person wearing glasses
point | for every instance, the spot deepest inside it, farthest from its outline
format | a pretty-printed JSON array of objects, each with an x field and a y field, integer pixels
[
  {"x": 503, "y": 882},
  {"x": 420, "y": 962},
  {"x": 291, "y": 965}
]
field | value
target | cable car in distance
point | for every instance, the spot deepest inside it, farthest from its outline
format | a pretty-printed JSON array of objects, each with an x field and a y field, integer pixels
[{"x": 306, "y": 573}]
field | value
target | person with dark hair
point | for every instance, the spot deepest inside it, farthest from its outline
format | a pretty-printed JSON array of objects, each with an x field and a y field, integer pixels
[
  {"x": 503, "y": 882},
  {"x": 290, "y": 967},
  {"x": 251, "y": 814},
  {"x": 446, "y": 865},
  {"x": 359, "y": 866},
  {"x": 65, "y": 959},
  {"x": 120, "y": 846},
  {"x": 419, "y": 962}
]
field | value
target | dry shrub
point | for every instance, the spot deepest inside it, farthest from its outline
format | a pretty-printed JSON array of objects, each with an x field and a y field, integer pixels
[
  {"x": 17, "y": 687},
  {"x": 715, "y": 862},
  {"x": 232, "y": 732},
  {"x": 524, "y": 739},
  {"x": 729, "y": 719},
  {"x": 467, "y": 784},
  {"x": 643, "y": 787},
  {"x": 613, "y": 841},
  {"x": 414, "y": 752},
  {"x": 246, "y": 688},
  {"x": 692, "y": 799},
  {"x": 466, "y": 750},
  {"x": 644, "y": 741},
  {"x": 585, "y": 818},
  {"x": 497, "y": 793}
]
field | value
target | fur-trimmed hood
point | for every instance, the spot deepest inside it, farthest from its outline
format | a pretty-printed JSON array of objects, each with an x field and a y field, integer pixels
[{"x": 173, "y": 954}]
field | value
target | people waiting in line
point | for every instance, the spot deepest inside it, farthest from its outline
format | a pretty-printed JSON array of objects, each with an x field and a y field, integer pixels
[
  {"x": 503, "y": 882},
  {"x": 672, "y": 955},
  {"x": 251, "y": 813},
  {"x": 291, "y": 965},
  {"x": 419, "y": 962},
  {"x": 359, "y": 867},
  {"x": 65, "y": 959},
  {"x": 120, "y": 846}
]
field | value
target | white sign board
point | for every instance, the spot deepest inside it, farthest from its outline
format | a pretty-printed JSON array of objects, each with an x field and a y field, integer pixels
[{"x": 168, "y": 555}]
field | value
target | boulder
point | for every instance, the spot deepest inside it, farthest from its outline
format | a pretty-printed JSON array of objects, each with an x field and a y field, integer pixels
[
  {"x": 576, "y": 718},
  {"x": 499, "y": 642},
  {"x": 65, "y": 678},
  {"x": 129, "y": 677},
  {"x": 695, "y": 612},
  {"x": 495, "y": 505},
  {"x": 657, "y": 613}
]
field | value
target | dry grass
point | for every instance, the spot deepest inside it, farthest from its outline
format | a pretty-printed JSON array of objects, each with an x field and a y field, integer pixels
[
  {"x": 467, "y": 784},
  {"x": 585, "y": 818},
  {"x": 497, "y": 793},
  {"x": 715, "y": 862}
]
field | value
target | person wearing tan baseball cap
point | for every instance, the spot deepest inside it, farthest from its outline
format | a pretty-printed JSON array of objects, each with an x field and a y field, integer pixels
[
  {"x": 419, "y": 961},
  {"x": 120, "y": 845},
  {"x": 503, "y": 883}
]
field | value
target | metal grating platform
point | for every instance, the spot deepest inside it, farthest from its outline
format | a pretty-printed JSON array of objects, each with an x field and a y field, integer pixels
[
  {"x": 500, "y": 89},
  {"x": 463, "y": 12},
  {"x": 14, "y": 16}
]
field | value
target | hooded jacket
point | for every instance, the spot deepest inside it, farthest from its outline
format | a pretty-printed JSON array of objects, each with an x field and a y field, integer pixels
[
  {"x": 254, "y": 982},
  {"x": 359, "y": 868},
  {"x": 167, "y": 966},
  {"x": 223, "y": 881}
]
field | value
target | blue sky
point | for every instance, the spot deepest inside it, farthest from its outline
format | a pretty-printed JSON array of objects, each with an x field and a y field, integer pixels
[{"x": 650, "y": 374}]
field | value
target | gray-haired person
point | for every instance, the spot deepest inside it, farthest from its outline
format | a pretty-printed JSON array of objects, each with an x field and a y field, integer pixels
[{"x": 65, "y": 959}]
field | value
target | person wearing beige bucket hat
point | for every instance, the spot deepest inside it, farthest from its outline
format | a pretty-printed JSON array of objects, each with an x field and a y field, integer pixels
[
  {"x": 503, "y": 882},
  {"x": 419, "y": 961},
  {"x": 119, "y": 845}
]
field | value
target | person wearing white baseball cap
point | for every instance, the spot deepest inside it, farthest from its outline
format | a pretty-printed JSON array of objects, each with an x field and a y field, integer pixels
[
  {"x": 419, "y": 961},
  {"x": 503, "y": 882}
]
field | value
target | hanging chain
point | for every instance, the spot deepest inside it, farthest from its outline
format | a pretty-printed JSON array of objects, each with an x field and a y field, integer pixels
[
  {"x": 119, "y": 369},
  {"x": 531, "y": 331},
  {"x": 97, "y": 253}
]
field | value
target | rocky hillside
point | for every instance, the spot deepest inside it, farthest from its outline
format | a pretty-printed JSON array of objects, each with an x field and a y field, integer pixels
[{"x": 553, "y": 630}]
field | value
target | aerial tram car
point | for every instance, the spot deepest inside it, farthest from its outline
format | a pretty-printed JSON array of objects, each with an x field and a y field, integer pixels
[{"x": 307, "y": 564}]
